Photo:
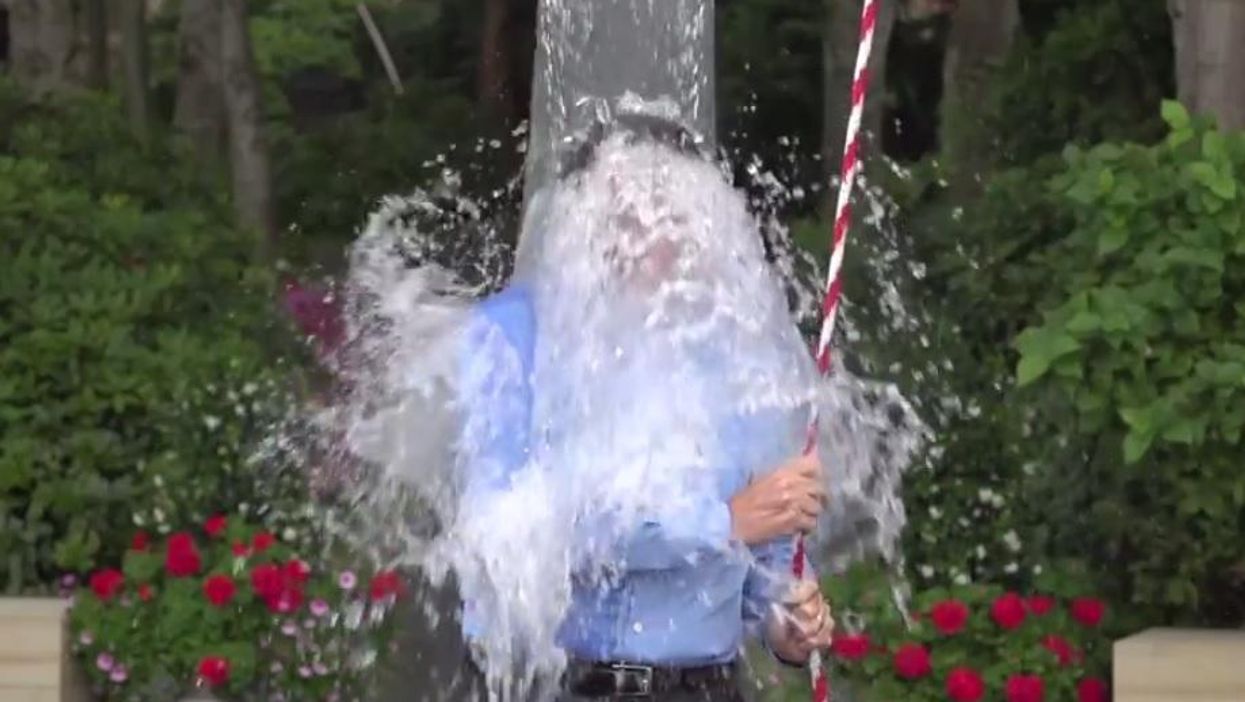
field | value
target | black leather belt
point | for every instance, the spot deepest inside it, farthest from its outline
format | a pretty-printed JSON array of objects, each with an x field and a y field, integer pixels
[{"x": 631, "y": 680}]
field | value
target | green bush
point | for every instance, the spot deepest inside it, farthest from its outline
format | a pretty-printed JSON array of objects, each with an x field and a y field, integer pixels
[
  {"x": 1141, "y": 359},
  {"x": 131, "y": 323}
]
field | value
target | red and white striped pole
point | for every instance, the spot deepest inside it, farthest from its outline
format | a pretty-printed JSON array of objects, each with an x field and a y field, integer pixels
[{"x": 834, "y": 280}]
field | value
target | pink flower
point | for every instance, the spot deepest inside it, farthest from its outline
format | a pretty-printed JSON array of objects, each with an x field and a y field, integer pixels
[
  {"x": 119, "y": 674},
  {"x": 104, "y": 662},
  {"x": 319, "y": 607},
  {"x": 347, "y": 580}
]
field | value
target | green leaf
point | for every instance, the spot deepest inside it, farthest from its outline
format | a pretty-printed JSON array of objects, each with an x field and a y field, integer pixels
[
  {"x": 1136, "y": 445},
  {"x": 1039, "y": 349},
  {"x": 1186, "y": 430},
  {"x": 1112, "y": 239},
  {"x": 1175, "y": 115},
  {"x": 1214, "y": 147}
]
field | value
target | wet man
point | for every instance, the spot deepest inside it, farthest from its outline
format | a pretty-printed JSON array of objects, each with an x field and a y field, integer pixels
[{"x": 656, "y": 373}]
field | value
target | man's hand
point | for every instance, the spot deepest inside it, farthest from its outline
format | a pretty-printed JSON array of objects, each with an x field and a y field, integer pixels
[
  {"x": 782, "y": 503},
  {"x": 800, "y": 624}
]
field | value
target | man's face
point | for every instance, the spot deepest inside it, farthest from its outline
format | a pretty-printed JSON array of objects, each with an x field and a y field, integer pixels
[{"x": 650, "y": 240}]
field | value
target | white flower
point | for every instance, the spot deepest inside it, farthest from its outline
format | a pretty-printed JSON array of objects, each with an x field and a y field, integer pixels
[
  {"x": 158, "y": 515},
  {"x": 934, "y": 512},
  {"x": 961, "y": 579},
  {"x": 211, "y": 422},
  {"x": 1037, "y": 570},
  {"x": 289, "y": 535},
  {"x": 1011, "y": 568},
  {"x": 981, "y": 552},
  {"x": 1012, "y": 540},
  {"x": 138, "y": 519},
  {"x": 927, "y": 571}
]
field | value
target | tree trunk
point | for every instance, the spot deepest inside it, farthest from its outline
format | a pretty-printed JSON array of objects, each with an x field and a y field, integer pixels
[
  {"x": 46, "y": 54},
  {"x": 134, "y": 63},
  {"x": 493, "y": 74},
  {"x": 840, "y": 43},
  {"x": 248, "y": 148},
  {"x": 97, "y": 43},
  {"x": 200, "y": 110},
  {"x": 1210, "y": 58},
  {"x": 982, "y": 32}
]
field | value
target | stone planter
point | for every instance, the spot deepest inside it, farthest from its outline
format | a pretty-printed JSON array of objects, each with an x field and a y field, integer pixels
[
  {"x": 1180, "y": 665},
  {"x": 35, "y": 662}
]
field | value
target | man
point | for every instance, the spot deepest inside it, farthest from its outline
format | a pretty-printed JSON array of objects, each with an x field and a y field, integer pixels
[{"x": 656, "y": 375}]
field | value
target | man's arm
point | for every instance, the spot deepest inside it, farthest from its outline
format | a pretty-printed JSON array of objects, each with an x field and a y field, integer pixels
[
  {"x": 767, "y": 584},
  {"x": 495, "y": 405}
]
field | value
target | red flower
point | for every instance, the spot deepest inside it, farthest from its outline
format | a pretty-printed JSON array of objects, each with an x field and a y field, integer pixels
[
  {"x": 107, "y": 583},
  {"x": 1060, "y": 647},
  {"x": 140, "y": 541},
  {"x": 214, "y": 670},
  {"x": 1040, "y": 604},
  {"x": 1008, "y": 611},
  {"x": 215, "y": 525},
  {"x": 851, "y": 647},
  {"x": 182, "y": 557},
  {"x": 240, "y": 549},
  {"x": 1091, "y": 690},
  {"x": 965, "y": 685},
  {"x": 263, "y": 541},
  {"x": 144, "y": 592},
  {"x": 1087, "y": 610},
  {"x": 266, "y": 580},
  {"x": 384, "y": 584},
  {"x": 949, "y": 616},
  {"x": 276, "y": 588},
  {"x": 288, "y": 600},
  {"x": 219, "y": 590},
  {"x": 912, "y": 662},
  {"x": 1025, "y": 688},
  {"x": 297, "y": 571}
]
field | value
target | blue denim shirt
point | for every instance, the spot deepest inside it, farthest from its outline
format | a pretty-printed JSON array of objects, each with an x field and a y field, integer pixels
[{"x": 689, "y": 594}]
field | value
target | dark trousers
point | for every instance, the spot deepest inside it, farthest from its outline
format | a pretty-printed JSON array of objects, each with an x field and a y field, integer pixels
[{"x": 704, "y": 696}]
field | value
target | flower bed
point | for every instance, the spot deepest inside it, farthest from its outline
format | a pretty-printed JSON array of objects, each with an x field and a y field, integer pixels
[
  {"x": 977, "y": 643},
  {"x": 235, "y": 609}
]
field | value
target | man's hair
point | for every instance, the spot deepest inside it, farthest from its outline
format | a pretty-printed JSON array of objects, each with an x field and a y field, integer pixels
[{"x": 636, "y": 129}]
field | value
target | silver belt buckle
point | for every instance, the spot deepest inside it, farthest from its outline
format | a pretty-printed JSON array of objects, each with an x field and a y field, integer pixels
[{"x": 641, "y": 674}]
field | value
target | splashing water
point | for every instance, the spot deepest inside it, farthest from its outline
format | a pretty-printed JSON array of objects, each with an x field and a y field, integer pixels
[{"x": 660, "y": 322}]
